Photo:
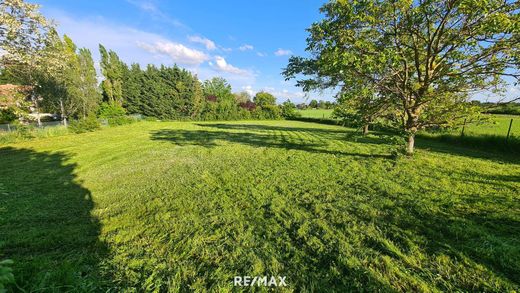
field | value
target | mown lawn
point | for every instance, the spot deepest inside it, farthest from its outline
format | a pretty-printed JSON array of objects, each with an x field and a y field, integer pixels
[
  {"x": 316, "y": 113},
  {"x": 494, "y": 125},
  {"x": 187, "y": 206}
]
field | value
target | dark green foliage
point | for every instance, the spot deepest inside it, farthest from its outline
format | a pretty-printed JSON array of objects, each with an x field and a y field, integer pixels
[
  {"x": 7, "y": 115},
  {"x": 84, "y": 125},
  {"x": 164, "y": 92},
  {"x": 509, "y": 108},
  {"x": 6, "y": 272}
]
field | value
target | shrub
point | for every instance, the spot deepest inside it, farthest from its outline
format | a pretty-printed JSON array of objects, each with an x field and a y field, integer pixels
[
  {"x": 288, "y": 110},
  {"x": 24, "y": 131},
  {"x": 111, "y": 110},
  {"x": 84, "y": 125},
  {"x": 120, "y": 120},
  {"x": 7, "y": 115}
]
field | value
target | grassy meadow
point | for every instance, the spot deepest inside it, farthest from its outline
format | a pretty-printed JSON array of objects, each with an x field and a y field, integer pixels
[
  {"x": 316, "y": 113},
  {"x": 494, "y": 124},
  {"x": 185, "y": 206}
]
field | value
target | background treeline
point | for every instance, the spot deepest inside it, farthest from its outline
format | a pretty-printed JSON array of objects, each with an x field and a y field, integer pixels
[
  {"x": 511, "y": 108},
  {"x": 177, "y": 94},
  {"x": 66, "y": 83}
]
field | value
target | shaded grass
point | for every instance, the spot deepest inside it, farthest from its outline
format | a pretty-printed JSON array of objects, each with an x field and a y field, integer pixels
[{"x": 187, "y": 206}]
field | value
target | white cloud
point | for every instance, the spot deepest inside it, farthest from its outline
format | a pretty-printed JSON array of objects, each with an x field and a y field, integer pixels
[
  {"x": 282, "y": 52},
  {"x": 222, "y": 65},
  {"x": 246, "y": 47},
  {"x": 178, "y": 52},
  {"x": 128, "y": 42},
  {"x": 260, "y": 54},
  {"x": 209, "y": 44},
  {"x": 248, "y": 89},
  {"x": 152, "y": 10}
]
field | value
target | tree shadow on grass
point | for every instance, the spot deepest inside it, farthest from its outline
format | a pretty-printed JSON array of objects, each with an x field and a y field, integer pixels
[
  {"x": 480, "y": 147},
  {"x": 311, "y": 140},
  {"x": 484, "y": 238},
  {"x": 46, "y": 226}
]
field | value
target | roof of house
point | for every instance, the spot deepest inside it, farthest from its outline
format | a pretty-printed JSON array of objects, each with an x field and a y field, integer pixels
[{"x": 10, "y": 93}]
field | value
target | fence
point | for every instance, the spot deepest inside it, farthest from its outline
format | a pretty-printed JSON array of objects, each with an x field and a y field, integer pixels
[
  {"x": 499, "y": 126},
  {"x": 12, "y": 127}
]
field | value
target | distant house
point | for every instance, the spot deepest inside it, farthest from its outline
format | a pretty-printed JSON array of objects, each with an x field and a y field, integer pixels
[
  {"x": 19, "y": 96},
  {"x": 12, "y": 95}
]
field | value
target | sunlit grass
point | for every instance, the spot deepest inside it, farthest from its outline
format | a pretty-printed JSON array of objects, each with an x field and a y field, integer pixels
[
  {"x": 187, "y": 206},
  {"x": 316, "y": 113}
]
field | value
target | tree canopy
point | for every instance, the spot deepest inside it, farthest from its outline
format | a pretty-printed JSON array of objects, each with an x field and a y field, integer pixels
[{"x": 422, "y": 59}]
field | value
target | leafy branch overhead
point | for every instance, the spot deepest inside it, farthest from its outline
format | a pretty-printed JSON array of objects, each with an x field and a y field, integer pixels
[{"x": 422, "y": 59}]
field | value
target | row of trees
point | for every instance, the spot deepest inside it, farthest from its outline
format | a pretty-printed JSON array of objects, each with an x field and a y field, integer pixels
[
  {"x": 315, "y": 104},
  {"x": 414, "y": 64},
  {"x": 62, "y": 78}
]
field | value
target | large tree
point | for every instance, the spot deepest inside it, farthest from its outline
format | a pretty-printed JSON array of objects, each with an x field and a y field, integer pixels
[
  {"x": 88, "y": 90},
  {"x": 71, "y": 89},
  {"x": 112, "y": 68},
  {"x": 427, "y": 57},
  {"x": 24, "y": 37}
]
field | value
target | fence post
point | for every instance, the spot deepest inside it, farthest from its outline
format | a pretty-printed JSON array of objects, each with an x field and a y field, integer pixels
[
  {"x": 463, "y": 126},
  {"x": 509, "y": 130},
  {"x": 8, "y": 127}
]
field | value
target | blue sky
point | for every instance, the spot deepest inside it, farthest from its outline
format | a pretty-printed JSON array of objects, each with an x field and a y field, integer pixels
[{"x": 246, "y": 42}]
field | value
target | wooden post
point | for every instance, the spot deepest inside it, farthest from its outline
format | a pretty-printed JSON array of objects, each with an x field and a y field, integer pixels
[
  {"x": 8, "y": 127},
  {"x": 509, "y": 130},
  {"x": 463, "y": 126}
]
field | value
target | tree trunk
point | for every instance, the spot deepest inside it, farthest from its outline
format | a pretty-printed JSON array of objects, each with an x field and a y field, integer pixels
[
  {"x": 38, "y": 120},
  {"x": 63, "y": 116},
  {"x": 365, "y": 129},
  {"x": 410, "y": 144}
]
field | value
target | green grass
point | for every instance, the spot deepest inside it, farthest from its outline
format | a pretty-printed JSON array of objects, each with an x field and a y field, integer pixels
[
  {"x": 495, "y": 125},
  {"x": 316, "y": 113},
  {"x": 187, "y": 206}
]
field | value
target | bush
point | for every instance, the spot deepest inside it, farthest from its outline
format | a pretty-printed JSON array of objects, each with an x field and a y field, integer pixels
[
  {"x": 121, "y": 120},
  {"x": 111, "y": 110},
  {"x": 24, "y": 131},
  {"x": 84, "y": 125},
  {"x": 267, "y": 112},
  {"x": 288, "y": 110},
  {"x": 7, "y": 115}
]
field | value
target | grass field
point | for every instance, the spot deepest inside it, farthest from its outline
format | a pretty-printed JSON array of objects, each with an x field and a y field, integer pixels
[
  {"x": 187, "y": 206},
  {"x": 495, "y": 125},
  {"x": 316, "y": 113}
]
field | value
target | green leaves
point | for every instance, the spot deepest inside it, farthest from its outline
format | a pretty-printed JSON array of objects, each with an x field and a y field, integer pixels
[
  {"x": 412, "y": 54},
  {"x": 6, "y": 274}
]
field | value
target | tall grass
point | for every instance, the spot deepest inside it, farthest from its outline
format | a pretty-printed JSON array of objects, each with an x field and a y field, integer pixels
[{"x": 24, "y": 134}]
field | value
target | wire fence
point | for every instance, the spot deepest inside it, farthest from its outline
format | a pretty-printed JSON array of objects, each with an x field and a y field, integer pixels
[
  {"x": 500, "y": 126},
  {"x": 12, "y": 127}
]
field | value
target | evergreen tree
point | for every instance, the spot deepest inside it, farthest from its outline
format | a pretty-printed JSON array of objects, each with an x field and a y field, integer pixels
[
  {"x": 112, "y": 69},
  {"x": 88, "y": 89}
]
